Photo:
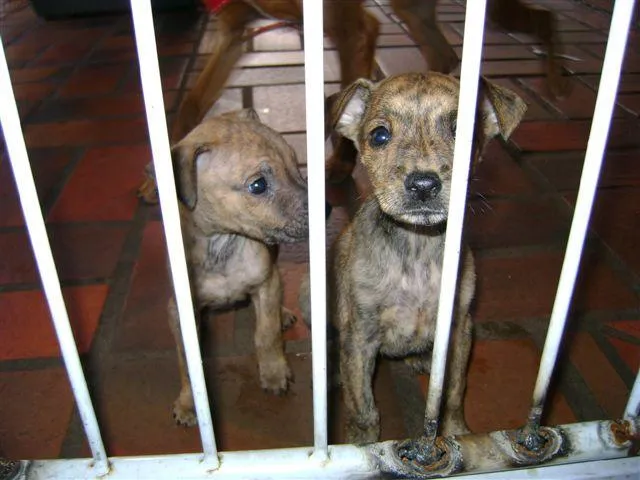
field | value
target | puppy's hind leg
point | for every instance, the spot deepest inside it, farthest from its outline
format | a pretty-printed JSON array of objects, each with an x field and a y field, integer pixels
[
  {"x": 183, "y": 408},
  {"x": 516, "y": 16},
  {"x": 267, "y": 300}
]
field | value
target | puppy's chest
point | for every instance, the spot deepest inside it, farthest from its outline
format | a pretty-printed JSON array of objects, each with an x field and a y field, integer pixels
[
  {"x": 228, "y": 268},
  {"x": 407, "y": 297}
]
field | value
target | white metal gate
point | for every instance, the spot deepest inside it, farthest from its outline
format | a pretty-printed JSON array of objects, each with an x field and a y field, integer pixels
[{"x": 588, "y": 450}]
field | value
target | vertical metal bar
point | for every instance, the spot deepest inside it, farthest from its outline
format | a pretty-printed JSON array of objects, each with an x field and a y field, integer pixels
[
  {"x": 19, "y": 159},
  {"x": 158, "y": 135},
  {"x": 314, "y": 99},
  {"x": 633, "y": 404},
  {"x": 469, "y": 74},
  {"x": 605, "y": 102}
]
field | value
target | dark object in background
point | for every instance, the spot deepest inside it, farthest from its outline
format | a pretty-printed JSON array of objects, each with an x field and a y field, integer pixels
[{"x": 54, "y": 9}]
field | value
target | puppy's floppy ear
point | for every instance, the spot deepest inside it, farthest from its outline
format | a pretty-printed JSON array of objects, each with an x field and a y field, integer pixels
[
  {"x": 349, "y": 107},
  {"x": 243, "y": 114},
  {"x": 185, "y": 158},
  {"x": 502, "y": 109}
]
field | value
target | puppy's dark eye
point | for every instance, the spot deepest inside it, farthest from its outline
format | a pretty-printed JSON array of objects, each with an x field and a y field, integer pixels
[
  {"x": 379, "y": 137},
  {"x": 258, "y": 186}
]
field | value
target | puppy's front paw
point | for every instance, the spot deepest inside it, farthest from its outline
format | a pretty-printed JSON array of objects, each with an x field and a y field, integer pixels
[
  {"x": 288, "y": 319},
  {"x": 275, "y": 376},
  {"x": 184, "y": 415}
]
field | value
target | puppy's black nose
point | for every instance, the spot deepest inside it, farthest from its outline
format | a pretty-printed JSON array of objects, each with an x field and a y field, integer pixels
[{"x": 423, "y": 185}]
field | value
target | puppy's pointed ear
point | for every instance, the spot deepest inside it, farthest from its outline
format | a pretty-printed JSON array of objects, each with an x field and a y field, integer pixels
[
  {"x": 184, "y": 157},
  {"x": 349, "y": 107},
  {"x": 502, "y": 109},
  {"x": 242, "y": 114}
]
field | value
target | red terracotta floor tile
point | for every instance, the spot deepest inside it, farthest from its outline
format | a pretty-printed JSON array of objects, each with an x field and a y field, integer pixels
[
  {"x": 502, "y": 68},
  {"x": 80, "y": 252},
  {"x": 47, "y": 166},
  {"x": 500, "y": 384},
  {"x": 525, "y": 286},
  {"x": 36, "y": 407},
  {"x": 499, "y": 174},
  {"x": 632, "y": 327},
  {"x": 616, "y": 218},
  {"x": 620, "y": 169},
  {"x": 564, "y": 135},
  {"x": 93, "y": 80},
  {"x": 580, "y": 102},
  {"x": 494, "y": 223},
  {"x": 26, "y": 328},
  {"x": 67, "y": 53},
  {"x": 33, "y": 74},
  {"x": 608, "y": 388},
  {"x": 19, "y": 266},
  {"x": 292, "y": 275},
  {"x": 86, "y": 132},
  {"x": 144, "y": 322},
  {"x": 219, "y": 327},
  {"x": 628, "y": 352},
  {"x": 86, "y": 251},
  {"x": 33, "y": 92},
  {"x": 134, "y": 407},
  {"x": 630, "y": 102},
  {"x": 19, "y": 54},
  {"x": 103, "y": 185}
]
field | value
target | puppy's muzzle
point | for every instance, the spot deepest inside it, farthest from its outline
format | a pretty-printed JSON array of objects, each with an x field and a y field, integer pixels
[{"x": 422, "y": 186}]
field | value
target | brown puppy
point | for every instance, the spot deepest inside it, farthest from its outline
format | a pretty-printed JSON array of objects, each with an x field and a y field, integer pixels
[
  {"x": 354, "y": 31},
  {"x": 241, "y": 193},
  {"x": 388, "y": 261}
]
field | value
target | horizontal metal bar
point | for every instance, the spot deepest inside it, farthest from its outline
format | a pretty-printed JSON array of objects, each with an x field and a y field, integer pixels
[
  {"x": 590, "y": 442},
  {"x": 295, "y": 463},
  {"x": 605, "y": 102},
  {"x": 14, "y": 139},
  {"x": 314, "y": 99},
  {"x": 159, "y": 137},
  {"x": 470, "y": 72}
]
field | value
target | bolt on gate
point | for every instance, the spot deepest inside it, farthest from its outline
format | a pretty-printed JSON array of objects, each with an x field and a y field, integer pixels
[{"x": 597, "y": 449}]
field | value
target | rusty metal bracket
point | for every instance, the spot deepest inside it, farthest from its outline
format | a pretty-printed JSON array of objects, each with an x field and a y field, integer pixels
[
  {"x": 419, "y": 458},
  {"x": 531, "y": 447}
]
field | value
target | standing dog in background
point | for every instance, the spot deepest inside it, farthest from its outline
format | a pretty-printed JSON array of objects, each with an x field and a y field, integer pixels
[{"x": 354, "y": 31}]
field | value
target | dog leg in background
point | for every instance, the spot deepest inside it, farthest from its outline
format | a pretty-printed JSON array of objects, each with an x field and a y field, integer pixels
[
  {"x": 231, "y": 24},
  {"x": 515, "y": 16},
  {"x": 267, "y": 300},
  {"x": 355, "y": 32},
  {"x": 183, "y": 408},
  {"x": 420, "y": 17}
]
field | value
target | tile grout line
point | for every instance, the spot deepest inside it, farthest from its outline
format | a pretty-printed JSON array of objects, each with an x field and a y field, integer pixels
[
  {"x": 97, "y": 360},
  {"x": 612, "y": 356}
]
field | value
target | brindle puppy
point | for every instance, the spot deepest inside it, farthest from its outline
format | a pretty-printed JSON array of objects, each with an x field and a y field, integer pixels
[
  {"x": 388, "y": 261},
  {"x": 241, "y": 194}
]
